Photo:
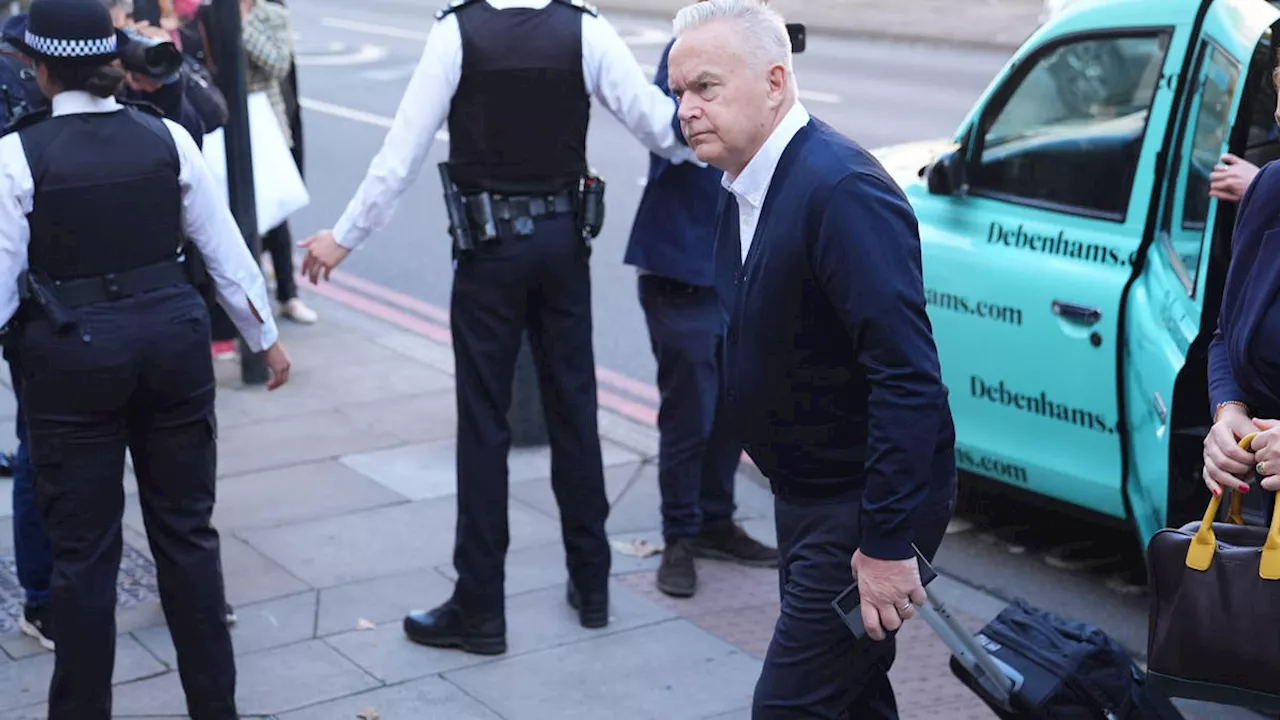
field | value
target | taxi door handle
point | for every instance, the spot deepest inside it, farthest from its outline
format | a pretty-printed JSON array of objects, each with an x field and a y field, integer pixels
[{"x": 1076, "y": 313}]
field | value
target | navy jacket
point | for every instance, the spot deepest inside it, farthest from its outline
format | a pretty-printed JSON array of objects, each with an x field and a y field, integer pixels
[
  {"x": 674, "y": 230},
  {"x": 832, "y": 371},
  {"x": 1252, "y": 281}
]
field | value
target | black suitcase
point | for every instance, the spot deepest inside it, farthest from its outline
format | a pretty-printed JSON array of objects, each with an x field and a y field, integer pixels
[{"x": 1030, "y": 664}]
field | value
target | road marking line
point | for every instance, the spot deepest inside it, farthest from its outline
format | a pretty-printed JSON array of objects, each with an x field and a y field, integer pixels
[
  {"x": 347, "y": 113},
  {"x": 366, "y": 55},
  {"x": 372, "y": 29},
  {"x": 399, "y": 72}
]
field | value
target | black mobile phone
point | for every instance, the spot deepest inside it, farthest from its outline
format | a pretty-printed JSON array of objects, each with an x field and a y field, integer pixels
[
  {"x": 796, "y": 31},
  {"x": 847, "y": 603}
]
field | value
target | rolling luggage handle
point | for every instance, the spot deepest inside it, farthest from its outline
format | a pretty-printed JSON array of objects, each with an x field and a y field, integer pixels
[
  {"x": 1203, "y": 546},
  {"x": 999, "y": 680}
]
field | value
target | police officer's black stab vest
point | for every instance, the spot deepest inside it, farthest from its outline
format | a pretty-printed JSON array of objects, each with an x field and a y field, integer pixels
[
  {"x": 518, "y": 121},
  {"x": 107, "y": 194}
]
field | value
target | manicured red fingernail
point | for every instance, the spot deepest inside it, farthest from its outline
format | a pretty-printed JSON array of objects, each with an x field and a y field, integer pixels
[
  {"x": 1217, "y": 492},
  {"x": 1244, "y": 488}
]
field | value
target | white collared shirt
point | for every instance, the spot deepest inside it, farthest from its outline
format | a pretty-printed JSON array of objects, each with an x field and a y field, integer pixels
[
  {"x": 752, "y": 186},
  {"x": 612, "y": 75},
  {"x": 206, "y": 221}
]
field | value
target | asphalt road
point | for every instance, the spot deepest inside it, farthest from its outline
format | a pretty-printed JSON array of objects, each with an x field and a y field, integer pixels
[{"x": 354, "y": 66}]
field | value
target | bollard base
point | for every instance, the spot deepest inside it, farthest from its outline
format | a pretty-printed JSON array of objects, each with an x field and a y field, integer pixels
[
  {"x": 526, "y": 418},
  {"x": 253, "y": 366}
]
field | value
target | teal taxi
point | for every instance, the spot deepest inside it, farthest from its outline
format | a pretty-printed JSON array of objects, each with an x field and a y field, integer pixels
[{"x": 1074, "y": 259}]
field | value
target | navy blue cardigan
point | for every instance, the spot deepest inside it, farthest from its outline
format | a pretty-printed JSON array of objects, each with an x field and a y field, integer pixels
[
  {"x": 1250, "y": 290},
  {"x": 832, "y": 371}
]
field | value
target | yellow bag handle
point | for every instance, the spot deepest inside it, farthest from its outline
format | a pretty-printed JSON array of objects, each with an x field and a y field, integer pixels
[{"x": 1203, "y": 545}]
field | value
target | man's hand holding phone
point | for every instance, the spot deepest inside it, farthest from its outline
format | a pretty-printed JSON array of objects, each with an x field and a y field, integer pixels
[{"x": 890, "y": 591}]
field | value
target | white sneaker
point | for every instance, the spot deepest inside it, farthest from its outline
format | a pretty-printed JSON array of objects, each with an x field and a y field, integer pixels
[{"x": 298, "y": 312}]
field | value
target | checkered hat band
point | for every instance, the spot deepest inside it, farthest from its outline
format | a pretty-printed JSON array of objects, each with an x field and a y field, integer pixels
[{"x": 55, "y": 47}]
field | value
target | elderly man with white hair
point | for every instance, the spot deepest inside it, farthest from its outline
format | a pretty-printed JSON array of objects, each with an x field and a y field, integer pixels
[{"x": 832, "y": 374}]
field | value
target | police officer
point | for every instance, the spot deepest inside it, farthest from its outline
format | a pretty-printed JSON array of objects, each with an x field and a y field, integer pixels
[
  {"x": 672, "y": 246},
  {"x": 95, "y": 198},
  {"x": 515, "y": 79}
]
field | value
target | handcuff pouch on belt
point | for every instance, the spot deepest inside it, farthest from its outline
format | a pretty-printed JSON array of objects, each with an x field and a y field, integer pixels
[{"x": 474, "y": 217}]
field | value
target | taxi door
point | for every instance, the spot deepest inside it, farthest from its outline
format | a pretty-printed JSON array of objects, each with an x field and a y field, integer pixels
[
  {"x": 1028, "y": 254},
  {"x": 1164, "y": 306}
]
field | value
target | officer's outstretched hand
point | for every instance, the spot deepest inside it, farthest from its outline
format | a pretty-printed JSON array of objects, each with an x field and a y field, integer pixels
[
  {"x": 278, "y": 363},
  {"x": 323, "y": 255}
]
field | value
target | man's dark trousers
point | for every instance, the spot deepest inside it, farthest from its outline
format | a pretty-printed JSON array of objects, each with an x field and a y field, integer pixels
[
  {"x": 814, "y": 667},
  {"x": 698, "y": 455},
  {"x": 136, "y": 373},
  {"x": 540, "y": 282},
  {"x": 32, "y": 552}
]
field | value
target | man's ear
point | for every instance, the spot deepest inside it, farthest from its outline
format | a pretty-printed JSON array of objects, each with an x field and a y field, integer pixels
[{"x": 779, "y": 81}]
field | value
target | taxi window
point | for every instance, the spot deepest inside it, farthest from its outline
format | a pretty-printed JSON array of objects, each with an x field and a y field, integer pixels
[
  {"x": 1208, "y": 118},
  {"x": 1069, "y": 135}
]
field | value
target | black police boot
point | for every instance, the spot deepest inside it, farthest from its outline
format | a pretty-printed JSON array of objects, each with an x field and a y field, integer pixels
[
  {"x": 592, "y": 607},
  {"x": 677, "y": 576},
  {"x": 448, "y": 626},
  {"x": 728, "y": 541}
]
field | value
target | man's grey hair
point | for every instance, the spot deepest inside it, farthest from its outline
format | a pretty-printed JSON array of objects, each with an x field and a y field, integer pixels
[{"x": 764, "y": 33}]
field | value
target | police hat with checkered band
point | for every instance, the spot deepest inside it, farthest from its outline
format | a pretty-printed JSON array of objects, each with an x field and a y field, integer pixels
[{"x": 70, "y": 31}]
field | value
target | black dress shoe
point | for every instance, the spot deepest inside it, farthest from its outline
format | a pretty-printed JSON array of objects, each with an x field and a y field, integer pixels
[
  {"x": 449, "y": 627},
  {"x": 677, "y": 576},
  {"x": 728, "y": 541},
  {"x": 593, "y": 609}
]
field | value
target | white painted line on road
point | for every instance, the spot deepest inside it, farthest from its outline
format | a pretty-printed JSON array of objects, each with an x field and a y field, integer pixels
[
  {"x": 646, "y": 36},
  {"x": 398, "y": 72},
  {"x": 365, "y": 55},
  {"x": 361, "y": 116},
  {"x": 385, "y": 30}
]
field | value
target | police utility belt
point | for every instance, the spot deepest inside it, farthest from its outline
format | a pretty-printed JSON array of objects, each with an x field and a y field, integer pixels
[
  {"x": 474, "y": 217},
  {"x": 55, "y": 299}
]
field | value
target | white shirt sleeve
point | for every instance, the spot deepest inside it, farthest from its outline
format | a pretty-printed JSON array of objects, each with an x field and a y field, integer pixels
[
  {"x": 617, "y": 81},
  {"x": 422, "y": 112},
  {"x": 209, "y": 224},
  {"x": 17, "y": 192}
]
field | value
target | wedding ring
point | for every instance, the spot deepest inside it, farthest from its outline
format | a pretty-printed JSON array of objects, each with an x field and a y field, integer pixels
[
  {"x": 907, "y": 606},
  {"x": 1261, "y": 468}
]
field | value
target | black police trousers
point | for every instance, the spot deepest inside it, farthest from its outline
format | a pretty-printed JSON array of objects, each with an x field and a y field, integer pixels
[
  {"x": 135, "y": 372},
  {"x": 543, "y": 283}
]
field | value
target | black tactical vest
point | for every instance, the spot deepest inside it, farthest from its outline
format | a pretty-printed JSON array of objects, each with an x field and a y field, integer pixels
[
  {"x": 107, "y": 195},
  {"x": 518, "y": 121}
]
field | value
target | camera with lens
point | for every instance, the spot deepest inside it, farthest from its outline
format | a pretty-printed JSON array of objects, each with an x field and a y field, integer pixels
[{"x": 159, "y": 60}]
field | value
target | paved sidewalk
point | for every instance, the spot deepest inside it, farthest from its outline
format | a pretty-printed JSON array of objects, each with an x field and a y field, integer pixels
[
  {"x": 337, "y": 515},
  {"x": 999, "y": 24}
]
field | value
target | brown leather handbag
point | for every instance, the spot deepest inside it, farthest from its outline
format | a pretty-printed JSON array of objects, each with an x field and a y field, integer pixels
[{"x": 1214, "y": 631}]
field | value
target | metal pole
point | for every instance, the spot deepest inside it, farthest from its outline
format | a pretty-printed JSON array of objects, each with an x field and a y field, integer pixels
[
  {"x": 528, "y": 423},
  {"x": 228, "y": 52}
]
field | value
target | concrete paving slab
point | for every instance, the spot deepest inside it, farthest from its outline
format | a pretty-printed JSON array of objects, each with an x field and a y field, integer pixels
[
  {"x": 304, "y": 438},
  {"x": 420, "y": 418},
  {"x": 535, "y": 621},
  {"x": 382, "y": 600},
  {"x": 310, "y": 491},
  {"x": 269, "y": 682},
  {"x": 260, "y": 626},
  {"x": 632, "y": 675},
  {"x": 537, "y": 493},
  {"x": 250, "y": 577},
  {"x": 343, "y": 382},
  {"x": 382, "y": 542},
  {"x": 428, "y": 698},
  {"x": 543, "y": 566},
  {"x": 26, "y": 682},
  {"x": 429, "y": 470}
]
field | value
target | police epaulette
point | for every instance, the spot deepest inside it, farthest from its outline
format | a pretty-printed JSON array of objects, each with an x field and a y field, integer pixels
[
  {"x": 26, "y": 120},
  {"x": 453, "y": 7},
  {"x": 582, "y": 6},
  {"x": 144, "y": 106}
]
